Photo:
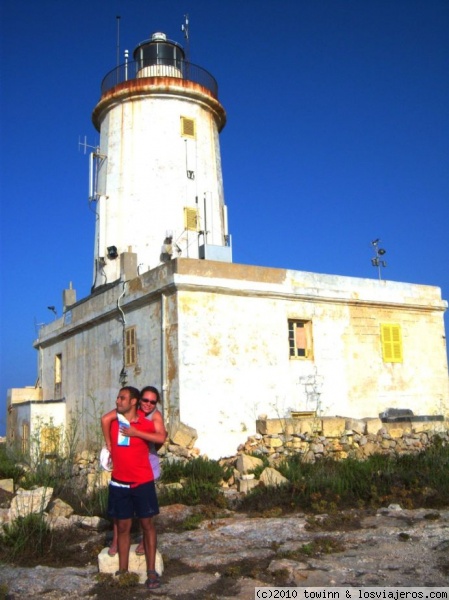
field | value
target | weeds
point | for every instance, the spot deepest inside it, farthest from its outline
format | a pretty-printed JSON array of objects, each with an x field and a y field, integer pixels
[
  {"x": 418, "y": 480},
  {"x": 199, "y": 469},
  {"x": 123, "y": 581},
  {"x": 313, "y": 549},
  {"x": 25, "y": 535},
  {"x": 201, "y": 482},
  {"x": 9, "y": 467},
  {"x": 192, "y": 522},
  {"x": 193, "y": 493}
]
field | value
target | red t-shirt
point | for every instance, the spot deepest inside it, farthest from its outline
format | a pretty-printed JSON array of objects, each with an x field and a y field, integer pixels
[{"x": 130, "y": 463}]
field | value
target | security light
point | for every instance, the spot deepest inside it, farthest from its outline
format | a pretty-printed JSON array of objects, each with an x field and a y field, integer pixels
[{"x": 112, "y": 252}]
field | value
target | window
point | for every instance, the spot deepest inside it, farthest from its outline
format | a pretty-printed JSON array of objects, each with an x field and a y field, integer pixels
[
  {"x": 130, "y": 346},
  {"x": 300, "y": 339},
  {"x": 50, "y": 438},
  {"x": 25, "y": 438},
  {"x": 190, "y": 219},
  {"x": 391, "y": 339},
  {"x": 58, "y": 376},
  {"x": 188, "y": 128}
]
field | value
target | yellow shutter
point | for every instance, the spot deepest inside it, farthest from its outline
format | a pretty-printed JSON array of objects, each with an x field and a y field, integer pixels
[
  {"x": 190, "y": 219},
  {"x": 188, "y": 127},
  {"x": 391, "y": 343},
  {"x": 130, "y": 346},
  {"x": 50, "y": 440}
]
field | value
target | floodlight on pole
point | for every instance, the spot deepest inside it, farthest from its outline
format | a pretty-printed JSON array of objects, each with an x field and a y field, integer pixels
[{"x": 378, "y": 252}]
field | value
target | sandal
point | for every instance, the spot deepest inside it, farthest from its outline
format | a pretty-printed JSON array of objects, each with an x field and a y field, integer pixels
[
  {"x": 153, "y": 582},
  {"x": 112, "y": 550},
  {"x": 120, "y": 572},
  {"x": 140, "y": 550}
]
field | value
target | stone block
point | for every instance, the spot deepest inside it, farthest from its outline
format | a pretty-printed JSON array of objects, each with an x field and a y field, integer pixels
[
  {"x": 430, "y": 426},
  {"x": 270, "y": 477},
  {"x": 58, "y": 522},
  {"x": 30, "y": 501},
  {"x": 373, "y": 425},
  {"x": 246, "y": 485},
  {"x": 398, "y": 432},
  {"x": 310, "y": 426},
  {"x": 59, "y": 508},
  {"x": 270, "y": 426},
  {"x": 369, "y": 448},
  {"x": 341, "y": 455},
  {"x": 137, "y": 564},
  {"x": 332, "y": 426},
  {"x": 7, "y": 485},
  {"x": 335, "y": 446},
  {"x": 356, "y": 425},
  {"x": 245, "y": 463},
  {"x": 317, "y": 448},
  {"x": 183, "y": 435},
  {"x": 275, "y": 442}
]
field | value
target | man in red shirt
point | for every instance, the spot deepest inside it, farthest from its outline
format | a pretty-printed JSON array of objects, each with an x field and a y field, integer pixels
[{"x": 132, "y": 492}]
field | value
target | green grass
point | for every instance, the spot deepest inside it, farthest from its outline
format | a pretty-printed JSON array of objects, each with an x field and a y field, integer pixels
[{"x": 419, "y": 480}]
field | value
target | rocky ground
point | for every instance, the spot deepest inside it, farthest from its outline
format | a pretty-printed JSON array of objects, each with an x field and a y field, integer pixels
[{"x": 228, "y": 557}]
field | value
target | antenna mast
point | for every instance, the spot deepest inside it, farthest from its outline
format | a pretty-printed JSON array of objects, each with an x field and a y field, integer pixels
[{"x": 118, "y": 39}]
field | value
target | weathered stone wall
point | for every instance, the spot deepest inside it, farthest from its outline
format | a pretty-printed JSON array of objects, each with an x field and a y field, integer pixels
[
  {"x": 332, "y": 437},
  {"x": 340, "y": 438}
]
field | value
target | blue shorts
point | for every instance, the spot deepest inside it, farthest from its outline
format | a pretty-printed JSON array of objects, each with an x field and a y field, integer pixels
[{"x": 126, "y": 503}]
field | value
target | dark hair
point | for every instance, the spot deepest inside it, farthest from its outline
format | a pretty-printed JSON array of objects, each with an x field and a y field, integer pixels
[
  {"x": 133, "y": 392},
  {"x": 151, "y": 388}
]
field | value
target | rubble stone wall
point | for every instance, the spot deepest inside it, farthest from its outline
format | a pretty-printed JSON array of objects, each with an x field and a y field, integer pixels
[{"x": 340, "y": 437}]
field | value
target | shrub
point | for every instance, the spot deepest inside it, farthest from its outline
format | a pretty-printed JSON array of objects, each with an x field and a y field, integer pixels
[
  {"x": 9, "y": 469},
  {"x": 198, "y": 469},
  {"x": 193, "y": 493}
]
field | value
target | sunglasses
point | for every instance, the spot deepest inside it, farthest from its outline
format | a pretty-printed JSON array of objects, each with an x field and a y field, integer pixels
[{"x": 149, "y": 401}]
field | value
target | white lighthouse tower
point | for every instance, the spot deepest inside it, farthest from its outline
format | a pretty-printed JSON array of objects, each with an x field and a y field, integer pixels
[{"x": 156, "y": 176}]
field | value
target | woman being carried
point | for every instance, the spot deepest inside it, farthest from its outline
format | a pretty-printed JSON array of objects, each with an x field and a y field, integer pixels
[{"x": 149, "y": 399}]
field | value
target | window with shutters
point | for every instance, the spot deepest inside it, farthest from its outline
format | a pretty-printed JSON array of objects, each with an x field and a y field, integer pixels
[
  {"x": 391, "y": 339},
  {"x": 58, "y": 376},
  {"x": 50, "y": 440},
  {"x": 130, "y": 346},
  {"x": 25, "y": 438},
  {"x": 188, "y": 127},
  {"x": 300, "y": 339},
  {"x": 190, "y": 219}
]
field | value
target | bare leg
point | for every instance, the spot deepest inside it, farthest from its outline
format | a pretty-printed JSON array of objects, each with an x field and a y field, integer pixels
[
  {"x": 113, "y": 547},
  {"x": 123, "y": 542},
  {"x": 140, "y": 549},
  {"x": 149, "y": 542}
]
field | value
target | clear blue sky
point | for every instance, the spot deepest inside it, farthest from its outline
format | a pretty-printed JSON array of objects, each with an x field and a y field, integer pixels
[{"x": 337, "y": 133}]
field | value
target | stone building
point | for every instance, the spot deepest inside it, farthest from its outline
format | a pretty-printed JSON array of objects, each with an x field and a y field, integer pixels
[{"x": 224, "y": 342}]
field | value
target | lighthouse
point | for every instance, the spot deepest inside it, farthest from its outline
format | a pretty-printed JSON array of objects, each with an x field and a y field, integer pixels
[
  {"x": 156, "y": 176},
  {"x": 226, "y": 344}
]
